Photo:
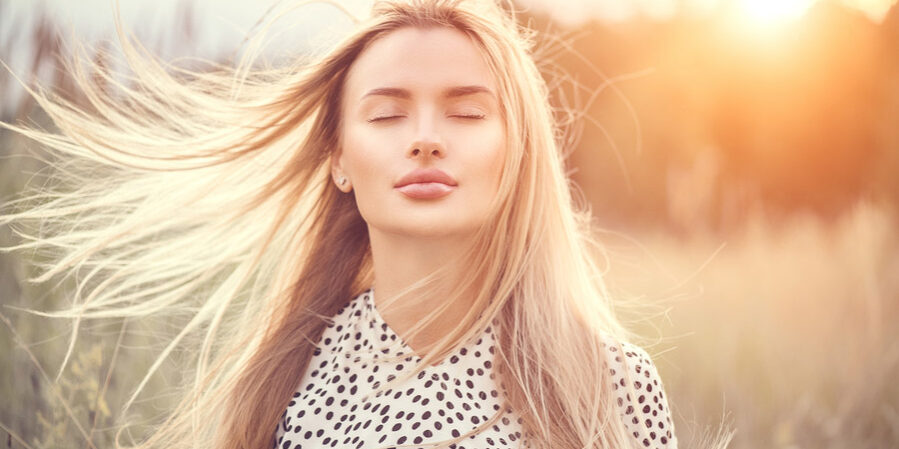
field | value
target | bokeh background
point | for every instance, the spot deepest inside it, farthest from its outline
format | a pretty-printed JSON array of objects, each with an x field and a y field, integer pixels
[{"x": 740, "y": 156}]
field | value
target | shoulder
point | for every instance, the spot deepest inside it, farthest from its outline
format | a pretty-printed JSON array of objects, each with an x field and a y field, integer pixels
[{"x": 639, "y": 394}]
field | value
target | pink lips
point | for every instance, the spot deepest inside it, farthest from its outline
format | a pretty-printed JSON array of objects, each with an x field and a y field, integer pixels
[{"x": 427, "y": 183}]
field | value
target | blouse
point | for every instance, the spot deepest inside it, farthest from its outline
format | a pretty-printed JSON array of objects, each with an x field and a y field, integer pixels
[{"x": 442, "y": 402}]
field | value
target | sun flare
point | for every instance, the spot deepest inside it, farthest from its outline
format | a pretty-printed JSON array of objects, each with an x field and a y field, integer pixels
[{"x": 773, "y": 12}]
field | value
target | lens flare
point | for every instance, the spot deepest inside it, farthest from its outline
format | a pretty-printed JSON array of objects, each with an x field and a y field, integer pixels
[{"x": 773, "y": 12}]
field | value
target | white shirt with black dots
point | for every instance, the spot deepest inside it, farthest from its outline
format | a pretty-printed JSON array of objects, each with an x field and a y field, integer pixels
[{"x": 442, "y": 402}]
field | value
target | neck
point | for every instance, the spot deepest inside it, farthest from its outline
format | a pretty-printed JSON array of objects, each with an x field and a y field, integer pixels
[{"x": 398, "y": 262}]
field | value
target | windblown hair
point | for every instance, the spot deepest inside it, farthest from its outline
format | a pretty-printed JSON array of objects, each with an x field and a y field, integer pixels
[{"x": 209, "y": 193}]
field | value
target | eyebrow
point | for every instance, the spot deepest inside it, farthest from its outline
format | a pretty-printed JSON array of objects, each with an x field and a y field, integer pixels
[{"x": 451, "y": 92}]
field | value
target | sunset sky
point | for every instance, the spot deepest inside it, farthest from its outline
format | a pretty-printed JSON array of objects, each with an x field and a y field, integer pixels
[{"x": 217, "y": 27}]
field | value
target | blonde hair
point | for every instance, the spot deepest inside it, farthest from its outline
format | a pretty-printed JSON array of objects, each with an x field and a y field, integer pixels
[{"x": 208, "y": 193}]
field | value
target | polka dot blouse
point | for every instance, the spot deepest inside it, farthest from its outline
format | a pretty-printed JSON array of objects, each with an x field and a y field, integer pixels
[{"x": 442, "y": 402}]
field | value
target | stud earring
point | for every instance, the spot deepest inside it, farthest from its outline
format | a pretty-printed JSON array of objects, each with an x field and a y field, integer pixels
[{"x": 342, "y": 181}]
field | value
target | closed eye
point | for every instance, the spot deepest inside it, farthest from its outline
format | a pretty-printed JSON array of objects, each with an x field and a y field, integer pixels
[
  {"x": 387, "y": 117},
  {"x": 465, "y": 116}
]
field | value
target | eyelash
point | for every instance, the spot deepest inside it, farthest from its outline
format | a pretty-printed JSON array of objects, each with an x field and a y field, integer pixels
[{"x": 471, "y": 117}]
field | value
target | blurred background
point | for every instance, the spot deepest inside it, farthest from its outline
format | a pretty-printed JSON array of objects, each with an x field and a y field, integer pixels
[{"x": 740, "y": 156}]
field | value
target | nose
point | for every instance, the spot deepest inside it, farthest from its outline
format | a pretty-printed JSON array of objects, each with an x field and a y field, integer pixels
[
  {"x": 427, "y": 144},
  {"x": 426, "y": 149}
]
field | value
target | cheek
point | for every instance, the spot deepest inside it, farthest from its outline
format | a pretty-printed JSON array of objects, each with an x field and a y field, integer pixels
[
  {"x": 495, "y": 162},
  {"x": 369, "y": 160},
  {"x": 363, "y": 160}
]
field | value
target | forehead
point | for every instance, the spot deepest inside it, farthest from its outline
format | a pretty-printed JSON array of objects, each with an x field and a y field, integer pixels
[{"x": 422, "y": 60}]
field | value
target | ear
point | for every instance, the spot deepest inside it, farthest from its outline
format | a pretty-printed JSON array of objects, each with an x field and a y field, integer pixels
[{"x": 338, "y": 175}]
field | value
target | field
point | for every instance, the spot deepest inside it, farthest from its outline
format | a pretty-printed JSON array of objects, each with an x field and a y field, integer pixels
[
  {"x": 784, "y": 330},
  {"x": 746, "y": 182},
  {"x": 787, "y": 330}
]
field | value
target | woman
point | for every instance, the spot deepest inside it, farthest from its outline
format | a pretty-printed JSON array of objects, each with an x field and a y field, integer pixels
[{"x": 379, "y": 247}]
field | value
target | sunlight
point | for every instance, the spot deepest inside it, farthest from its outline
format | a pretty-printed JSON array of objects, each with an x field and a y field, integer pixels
[
  {"x": 874, "y": 9},
  {"x": 773, "y": 12}
]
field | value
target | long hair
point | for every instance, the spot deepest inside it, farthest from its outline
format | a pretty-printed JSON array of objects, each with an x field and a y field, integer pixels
[{"x": 207, "y": 194}]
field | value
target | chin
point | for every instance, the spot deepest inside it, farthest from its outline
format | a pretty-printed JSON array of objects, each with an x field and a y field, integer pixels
[{"x": 434, "y": 229}]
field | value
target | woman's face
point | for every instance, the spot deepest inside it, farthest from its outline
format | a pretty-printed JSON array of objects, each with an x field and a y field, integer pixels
[{"x": 422, "y": 139}]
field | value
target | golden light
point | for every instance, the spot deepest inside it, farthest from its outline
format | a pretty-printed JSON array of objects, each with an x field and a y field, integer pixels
[
  {"x": 772, "y": 12},
  {"x": 875, "y": 9}
]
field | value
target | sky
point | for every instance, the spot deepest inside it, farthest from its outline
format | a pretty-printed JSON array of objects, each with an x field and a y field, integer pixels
[{"x": 218, "y": 27}]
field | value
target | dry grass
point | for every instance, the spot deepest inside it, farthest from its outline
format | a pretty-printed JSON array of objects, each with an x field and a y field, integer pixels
[
  {"x": 789, "y": 327},
  {"x": 785, "y": 329}
]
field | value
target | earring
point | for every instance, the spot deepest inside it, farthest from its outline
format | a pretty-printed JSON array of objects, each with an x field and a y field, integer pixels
[{"x": 342, "y": 181}]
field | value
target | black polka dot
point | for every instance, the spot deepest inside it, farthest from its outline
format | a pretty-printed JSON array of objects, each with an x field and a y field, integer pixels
[{"x": 445, "y": 400}]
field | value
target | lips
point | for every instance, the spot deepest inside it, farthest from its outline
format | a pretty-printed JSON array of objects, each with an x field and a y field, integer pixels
[
  {"x": 429, "y": 183},
  {"x": 426, "y": 175}
]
